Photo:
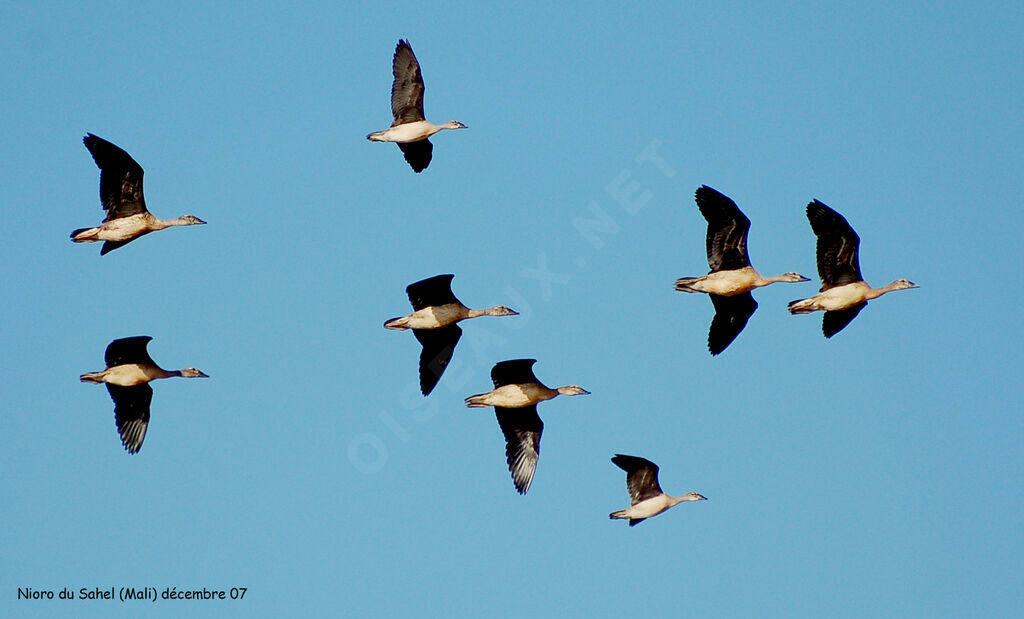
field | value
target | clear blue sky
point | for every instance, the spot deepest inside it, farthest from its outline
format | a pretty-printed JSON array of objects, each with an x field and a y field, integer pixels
[{"x": 874, "y": 474}]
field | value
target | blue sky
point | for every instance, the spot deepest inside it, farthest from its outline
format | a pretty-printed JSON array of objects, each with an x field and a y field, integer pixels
[{"x": 874, "y": 474}]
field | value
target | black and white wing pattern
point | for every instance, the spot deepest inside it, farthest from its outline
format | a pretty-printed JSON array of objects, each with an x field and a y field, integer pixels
[
  {"x": 522, "y": 428},
  {"x": 131, "y": 413}
]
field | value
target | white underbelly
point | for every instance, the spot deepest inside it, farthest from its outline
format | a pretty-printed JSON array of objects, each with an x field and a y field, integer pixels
[
  {"x": 650, "y": 507},
  {"x": 123, "y": 229},
  {"x": 842, "y": 297},
  {"x": 129, "y": 375},
  {"x": 518, "y": 396},
  {"x": 435, "y": 317},
  {"x": 408, "y": 132}
]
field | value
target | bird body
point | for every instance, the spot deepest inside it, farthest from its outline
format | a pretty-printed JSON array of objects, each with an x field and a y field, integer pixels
[
  {"x": 844, "y": 293},
  {"x": 733, "y": 282},
  {"x": 646, "y": 496},
  {"x": 129, "y": 228},
  {"x": 410, "y": 129},
  {"x": 649, "y": 507},
  {"x": 438, "y": 316},
  {"x": 433, "y": 322},
  {"x": 412, "y": 132},
  {"x": 514, "y": 398},
  {"x": 123, "y": 201},
  {"x": 844, "y": 297},
  {"x": 127, "y": 376},
  {"x": 731, "y": 277}
]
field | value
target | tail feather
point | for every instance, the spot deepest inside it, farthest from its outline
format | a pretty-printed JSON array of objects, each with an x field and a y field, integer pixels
[
  {"x": 797, "y": 307},
  {"x": 84, "y": 239},
  {"x": 622, "y": 514},
  {"x": 473, "y": 401},
  {"x": 396, "y": 323},
  {"x": 683, "y": 284}
]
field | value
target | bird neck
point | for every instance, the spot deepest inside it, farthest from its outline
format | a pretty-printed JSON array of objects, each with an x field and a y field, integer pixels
[
  {"x": 490, "y": 311},
  {"x": 874, "y": 293}
]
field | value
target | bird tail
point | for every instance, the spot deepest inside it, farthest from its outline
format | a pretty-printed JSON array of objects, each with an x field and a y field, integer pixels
[
  {"x": 619, "y": 514},
  {"x": 683, "y": 284},
  {"x": 475, "y": 401},
  {"x": 92, "y": 377},
  {"x": 396, "y": 323},
  {"x": 800, "y": 306},
  {"x": 84, "y": 235}
]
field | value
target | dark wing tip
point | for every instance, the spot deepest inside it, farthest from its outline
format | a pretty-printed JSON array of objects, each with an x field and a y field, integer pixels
[
  {"x": 438, "y": 348},
  {"x": 731, "y": 317},
  {"x": 417, "y": 154},
  {"x": 632, "y": 463},
  {"x": 826, "y": 219},
  {"x": 835, "y": 321}
]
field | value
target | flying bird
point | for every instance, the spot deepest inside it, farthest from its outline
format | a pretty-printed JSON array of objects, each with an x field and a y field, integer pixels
[
  {"x": 434, "y": 324},
  {"x": 645, "y": 493},
  {"x": 129, "y": 371},
  {"x": 121, "y": 195},
  {"x": 410, "y": 129},
  {"x": 514, "y": 398},
  {"x": 844, "y": 293},
  {"x": 731, "y": 277}
]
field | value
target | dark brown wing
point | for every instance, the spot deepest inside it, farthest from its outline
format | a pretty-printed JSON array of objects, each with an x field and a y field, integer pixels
[
  {"x": 641, "y": 477},
  {"x": 407, "y": 89},
  {"x": 727, "y": 230},
  {"x": 418, "y": 154},
  {"x": 438, "y": 347},
  {"x": 838, "y": 262},
  {"x": 514, "y": 372},
  {"x": 522, "y": 429},
  {"x": 120, "y": 179},
  {"x": 834, "y": 322},
  {"x": 431, "y": 292},
  {"x": 128, "y": 350},
  {"x": 131, "y": 413},
  {"x": 731, "y": 315}
]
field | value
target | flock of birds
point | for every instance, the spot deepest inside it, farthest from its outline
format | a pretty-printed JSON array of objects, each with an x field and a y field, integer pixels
[{"x": 437, "y": 312}]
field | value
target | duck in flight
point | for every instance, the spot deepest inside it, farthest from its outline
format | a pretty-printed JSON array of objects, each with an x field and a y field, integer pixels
[
  {"x": 129, "y": 371},
  {"x": 645, "y": 493},
  {"x": 121, "y": 195},
  {"x": 844, "y": 293},
  {"x": 410, "y": 128},
  {"x": 514, "y": 398},
  {"x": 732, "y": 277},
  {"x": 433, "y": 322}
]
